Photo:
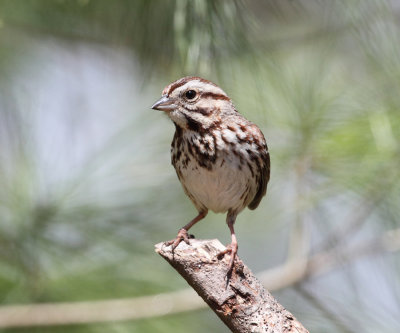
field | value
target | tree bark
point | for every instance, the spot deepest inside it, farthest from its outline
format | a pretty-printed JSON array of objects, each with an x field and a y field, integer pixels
[{"x": 240, "y": 301}]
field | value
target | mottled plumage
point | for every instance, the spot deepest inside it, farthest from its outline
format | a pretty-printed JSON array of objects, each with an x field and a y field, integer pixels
[{"x": 220, "y": 157}]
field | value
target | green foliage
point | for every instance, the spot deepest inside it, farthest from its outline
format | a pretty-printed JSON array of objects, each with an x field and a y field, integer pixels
[{"x": 86, "y": 188}]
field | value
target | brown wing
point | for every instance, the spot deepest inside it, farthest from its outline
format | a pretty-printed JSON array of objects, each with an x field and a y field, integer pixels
[{"x": 263, "y": 168}]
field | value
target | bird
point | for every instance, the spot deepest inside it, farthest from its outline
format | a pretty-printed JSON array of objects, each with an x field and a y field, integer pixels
[{"x": 220, "y": 157}]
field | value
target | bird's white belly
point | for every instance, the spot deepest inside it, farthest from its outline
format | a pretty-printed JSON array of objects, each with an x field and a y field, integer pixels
[{"x": 220, "y": 189}]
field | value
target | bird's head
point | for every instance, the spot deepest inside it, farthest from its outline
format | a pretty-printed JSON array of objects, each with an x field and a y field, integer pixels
[{"x": 193, "y": 102}]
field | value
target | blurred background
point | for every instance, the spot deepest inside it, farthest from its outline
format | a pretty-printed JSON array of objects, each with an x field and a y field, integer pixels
[{"x": 86, "y": 185}]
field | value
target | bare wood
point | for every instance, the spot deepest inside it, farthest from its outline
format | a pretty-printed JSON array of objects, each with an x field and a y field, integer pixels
[{"x": 241, "y": 302}]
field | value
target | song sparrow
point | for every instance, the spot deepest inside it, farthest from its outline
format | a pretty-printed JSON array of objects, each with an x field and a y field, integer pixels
[{"x": 221, "y": 158}]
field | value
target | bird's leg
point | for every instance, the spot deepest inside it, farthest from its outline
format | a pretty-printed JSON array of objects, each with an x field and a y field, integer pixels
[
  {"x": 182, "y": 233},
  {"x": 232, "y": 248}
]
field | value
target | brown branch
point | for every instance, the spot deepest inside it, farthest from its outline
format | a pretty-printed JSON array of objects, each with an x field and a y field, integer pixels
[{"x": 241, "y": 301}]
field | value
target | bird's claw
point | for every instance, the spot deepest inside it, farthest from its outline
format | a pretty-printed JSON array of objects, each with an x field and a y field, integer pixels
[
  {"x": 232, "y": 249},
  {"x": 182, "y": 236}
]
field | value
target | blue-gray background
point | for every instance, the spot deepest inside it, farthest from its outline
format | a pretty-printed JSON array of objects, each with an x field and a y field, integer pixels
[{"x": 86, "y": 185}]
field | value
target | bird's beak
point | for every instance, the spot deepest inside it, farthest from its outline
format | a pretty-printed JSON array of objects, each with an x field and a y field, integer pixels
[{"x": 164, "y": 104}]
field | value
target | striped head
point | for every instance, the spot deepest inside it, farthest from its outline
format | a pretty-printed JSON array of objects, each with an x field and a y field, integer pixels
[{"x": 194, "y": 103}]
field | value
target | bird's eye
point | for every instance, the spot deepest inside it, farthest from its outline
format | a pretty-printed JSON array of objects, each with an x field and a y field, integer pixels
[{"x": 190, "y": 94}]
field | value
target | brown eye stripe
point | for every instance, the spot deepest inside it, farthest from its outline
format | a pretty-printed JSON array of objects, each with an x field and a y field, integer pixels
[
  {"x": 215, "y": 96},
  {"x": 177, "y": 84}
]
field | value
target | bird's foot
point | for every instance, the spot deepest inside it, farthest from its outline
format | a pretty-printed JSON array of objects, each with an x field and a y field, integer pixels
[
  {"x": 232, "y": 249},
  {"x": 182, "y": 236}
]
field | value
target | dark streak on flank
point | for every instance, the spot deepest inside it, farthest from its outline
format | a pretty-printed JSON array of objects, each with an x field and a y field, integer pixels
[
  {"x": 254, "y": 158},
  {"x": 250, "y": 168},
  {"x": 178, "y": 154},
  {"x": 185, "y": 162},
  {"x": 177, "y": 140},
  {"x": 189, "y": 148},
  {"x": 176, "y": 145},
  {"x": 214, "y": 144}
]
